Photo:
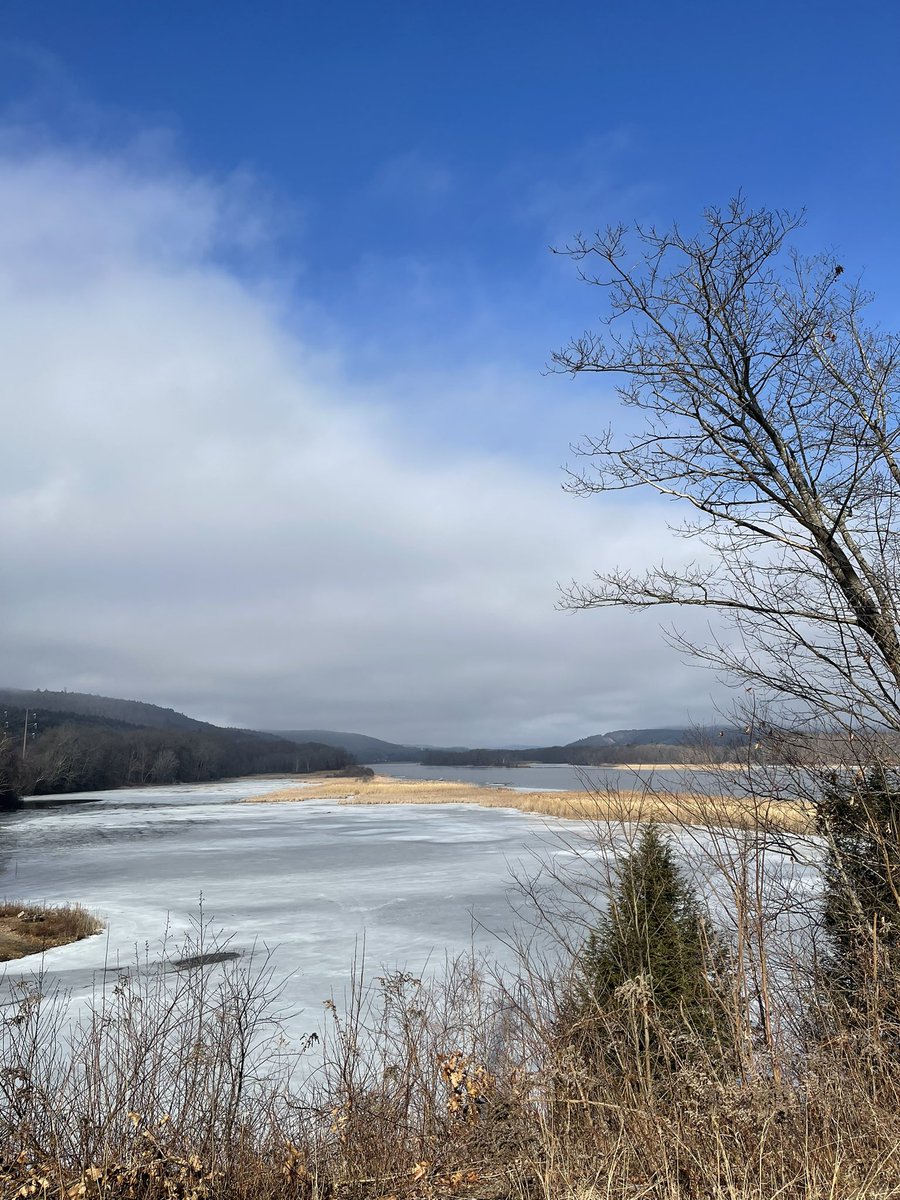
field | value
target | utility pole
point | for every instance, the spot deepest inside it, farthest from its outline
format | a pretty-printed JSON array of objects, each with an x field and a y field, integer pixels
[{"x": 25, "y": 731}]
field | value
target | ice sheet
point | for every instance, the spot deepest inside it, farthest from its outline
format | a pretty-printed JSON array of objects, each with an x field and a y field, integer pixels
[{"x": 313, "y": 882}]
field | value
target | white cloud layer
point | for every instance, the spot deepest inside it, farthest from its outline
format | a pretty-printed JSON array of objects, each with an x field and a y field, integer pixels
[{"x": 204, "y": 509}]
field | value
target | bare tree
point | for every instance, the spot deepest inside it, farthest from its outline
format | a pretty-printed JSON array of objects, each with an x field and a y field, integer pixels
[{"x": 768, "y": 408}]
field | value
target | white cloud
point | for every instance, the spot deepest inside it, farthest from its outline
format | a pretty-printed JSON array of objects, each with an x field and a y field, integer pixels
[{"x": 204, "y": 510}]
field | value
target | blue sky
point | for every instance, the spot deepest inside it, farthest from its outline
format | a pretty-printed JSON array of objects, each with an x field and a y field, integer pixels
[
  {"x": 367, "y": 193},
  {"x": 460, "y": 140}
]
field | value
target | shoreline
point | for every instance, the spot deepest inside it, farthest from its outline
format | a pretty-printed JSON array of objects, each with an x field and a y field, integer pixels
[
  {"x": 605, "y": 766},
  {"x": 675, "y": 808},
  {"x": 711, "y": 768}
]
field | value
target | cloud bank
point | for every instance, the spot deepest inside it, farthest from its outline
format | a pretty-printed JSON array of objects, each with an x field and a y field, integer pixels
[{"x": 205, "y": 506}]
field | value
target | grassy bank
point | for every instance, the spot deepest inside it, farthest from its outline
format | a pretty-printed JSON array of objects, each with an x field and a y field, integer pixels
[
  {"x": 682, "y": 808},
  {"x": 30, "y": 929},
  {"x": 426, "y": 1091}
]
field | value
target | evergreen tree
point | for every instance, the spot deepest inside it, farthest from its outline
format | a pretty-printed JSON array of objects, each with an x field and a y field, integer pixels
[
  {"x": 651, "y": 968},
  {"x": 860, "y": 823}
]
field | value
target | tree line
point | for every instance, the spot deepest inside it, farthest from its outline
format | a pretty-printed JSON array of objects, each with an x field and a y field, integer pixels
[
  {"x": 56, "y": 753},
  {"x": 590, "y": 756}
]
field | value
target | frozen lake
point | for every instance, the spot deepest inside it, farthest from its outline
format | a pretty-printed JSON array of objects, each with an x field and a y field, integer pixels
[
  {"x": 311, "y": 880},
  {"x": 314, "y": 882}
]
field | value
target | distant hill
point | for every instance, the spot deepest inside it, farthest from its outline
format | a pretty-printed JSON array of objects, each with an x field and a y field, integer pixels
[
  {"x": 131, "y": 712},
  {"x": 669, "y": 744},
  {"x": 668, "y": 735},
  {"x": 54, "y": 742},
  {"x": 360, "y": 745}
]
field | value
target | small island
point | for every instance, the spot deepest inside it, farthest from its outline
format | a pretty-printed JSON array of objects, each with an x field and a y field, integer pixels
[
  {"x": 33, "y": 928},
  {"x": 642, "y": 804}
]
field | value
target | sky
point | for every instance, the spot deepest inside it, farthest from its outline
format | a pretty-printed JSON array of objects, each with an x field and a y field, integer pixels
[{"x": 279, "y": 448}]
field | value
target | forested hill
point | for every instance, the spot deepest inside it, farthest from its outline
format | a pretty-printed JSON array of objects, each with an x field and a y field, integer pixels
[
  {"x": 45, "y": 749},
  {"x": 638, "y": 746},
  {"x": 668, "y": 735},
  {"x": 579, "y": 756},
  {"x": 131, "y": 712},
  {"x": 360, "y": 745}
]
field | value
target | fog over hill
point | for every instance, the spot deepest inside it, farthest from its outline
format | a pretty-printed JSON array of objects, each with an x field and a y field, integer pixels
[
  {"x": 132, "y": 712},
  {"x": 360, "y": 745}
]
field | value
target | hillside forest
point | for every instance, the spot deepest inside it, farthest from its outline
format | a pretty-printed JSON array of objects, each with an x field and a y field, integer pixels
[{"x": 53, "y": 743}]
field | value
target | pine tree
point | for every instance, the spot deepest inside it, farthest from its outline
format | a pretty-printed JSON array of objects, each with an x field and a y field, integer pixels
[
  {"x": 650, "y": 970},
  {"x": 860, "y": 823}
]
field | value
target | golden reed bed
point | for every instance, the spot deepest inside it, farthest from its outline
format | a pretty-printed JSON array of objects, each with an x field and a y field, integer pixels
[{"x": 683, "y": 808}]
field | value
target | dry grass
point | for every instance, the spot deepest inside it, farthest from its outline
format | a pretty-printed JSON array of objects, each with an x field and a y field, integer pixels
[
  {"x": 682, "y": 808},
  {"x": 32, "y": 928},
  {"x": 447, "y": 1090}
]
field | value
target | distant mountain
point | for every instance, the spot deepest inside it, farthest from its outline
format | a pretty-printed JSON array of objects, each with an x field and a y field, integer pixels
[
  {"x": 588, "y": 743},
  {"x": 360, "y": 745},
  {"x": 669, "y": 744},
  {"x": 676, "y": 743}
]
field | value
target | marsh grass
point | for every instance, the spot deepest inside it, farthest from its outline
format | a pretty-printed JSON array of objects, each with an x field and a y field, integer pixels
[
  {"x": 32, "y": 928},
  {"x": 643, "y": 803}
]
